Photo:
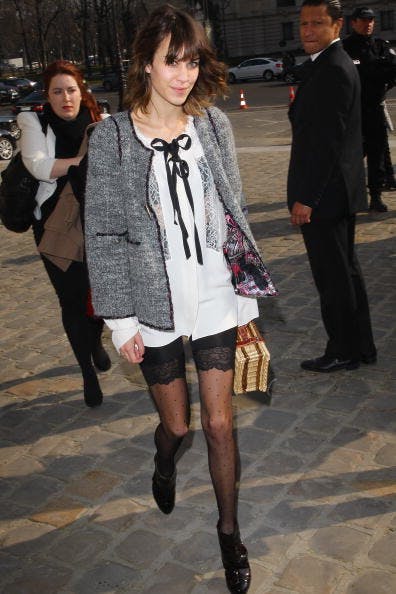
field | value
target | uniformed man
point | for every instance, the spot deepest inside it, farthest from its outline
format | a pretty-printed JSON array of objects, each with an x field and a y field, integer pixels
[{"x": 376, "y": 63}]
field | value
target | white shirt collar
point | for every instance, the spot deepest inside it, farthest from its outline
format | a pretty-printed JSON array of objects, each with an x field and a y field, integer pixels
[{"x": 314, "y": 56}]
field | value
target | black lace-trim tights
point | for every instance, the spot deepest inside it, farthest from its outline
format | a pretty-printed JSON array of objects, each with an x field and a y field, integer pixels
[
  {"x": 166, "y": 378},
  {"x": 216, "y": 414}
]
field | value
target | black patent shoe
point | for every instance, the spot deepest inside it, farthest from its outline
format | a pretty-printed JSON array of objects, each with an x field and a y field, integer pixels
[
  {"x": 164, "y": 489},
  {"x": 328, "y": 364},
  {"x": 235, "y": 562}
]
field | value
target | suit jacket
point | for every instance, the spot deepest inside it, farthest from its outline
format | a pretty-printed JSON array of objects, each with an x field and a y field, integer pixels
[{"x": 326, "y": 169}]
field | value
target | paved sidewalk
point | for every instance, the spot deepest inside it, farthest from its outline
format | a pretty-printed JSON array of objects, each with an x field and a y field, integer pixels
[{"x": 317, "y": 502}]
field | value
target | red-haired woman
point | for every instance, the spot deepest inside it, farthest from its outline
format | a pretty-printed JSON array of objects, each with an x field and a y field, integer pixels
[{"x": 50, "y": 146}]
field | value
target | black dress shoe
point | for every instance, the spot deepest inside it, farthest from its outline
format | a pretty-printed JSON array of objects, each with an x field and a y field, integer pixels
[
  {"x": 389, "y": 186},
  {"x": 235, "y": 561},
  {"x": 326, "y": 364},
  {"x": 378, "y": 206},
  {"x": 368, "y": 359},
  {"x": 164, "y": 489}
]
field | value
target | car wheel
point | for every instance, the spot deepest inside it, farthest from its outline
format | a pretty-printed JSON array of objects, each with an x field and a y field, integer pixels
[
  {"x": 15, "y": 131},
  {"x": 107, "y": 85},
  {"x": 231, "y": 78},
  {"x": 6, "y": 149},
  {"x": 268, "y": 75}
]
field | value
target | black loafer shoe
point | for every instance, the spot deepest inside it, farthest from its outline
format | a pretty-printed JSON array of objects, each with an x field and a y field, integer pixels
[
  {"x": 235, "y": 562},
  {"x": 164, "y": 489},
  {"x": 327, "y": 364}
]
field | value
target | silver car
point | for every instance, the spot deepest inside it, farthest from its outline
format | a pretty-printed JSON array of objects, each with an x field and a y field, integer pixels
[{"x": 265, "y": 68}]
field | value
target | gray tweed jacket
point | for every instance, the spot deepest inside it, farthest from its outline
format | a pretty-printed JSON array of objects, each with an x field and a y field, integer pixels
[{"x": 124, "y": 252}]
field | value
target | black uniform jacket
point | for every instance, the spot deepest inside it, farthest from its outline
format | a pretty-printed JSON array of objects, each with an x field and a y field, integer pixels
[
  {"x": 326, "y": 166},
  {"x": 376, "y": 64}
]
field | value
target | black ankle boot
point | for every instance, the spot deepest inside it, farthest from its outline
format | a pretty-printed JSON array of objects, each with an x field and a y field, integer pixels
[
  {"x": 100, "y": 357},
  {"x": 164, "y": 489},
  {"x": 93, "y": 395},
  {"x": 235, "y": 561}
]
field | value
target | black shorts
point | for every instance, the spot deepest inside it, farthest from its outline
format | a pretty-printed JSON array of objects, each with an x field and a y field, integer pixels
[{"x": 161, "y": 365}]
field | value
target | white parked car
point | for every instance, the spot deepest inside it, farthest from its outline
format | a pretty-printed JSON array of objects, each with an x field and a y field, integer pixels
[{"x": 265, "y": 68}]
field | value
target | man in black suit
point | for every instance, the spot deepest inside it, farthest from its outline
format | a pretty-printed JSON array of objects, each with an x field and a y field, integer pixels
[{"x": 326, "y": 185}]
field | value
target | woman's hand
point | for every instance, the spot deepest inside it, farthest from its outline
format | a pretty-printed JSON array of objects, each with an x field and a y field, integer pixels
[
  {"x": 133, "y": 349},
  {"x": 61, "y": 166}
]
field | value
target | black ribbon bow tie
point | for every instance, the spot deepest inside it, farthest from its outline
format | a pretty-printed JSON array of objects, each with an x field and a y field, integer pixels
[{"x": 176, "y": 166}]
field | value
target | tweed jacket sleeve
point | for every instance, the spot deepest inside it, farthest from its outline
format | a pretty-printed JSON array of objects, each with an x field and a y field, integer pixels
[{"x": 106, "y": 226}]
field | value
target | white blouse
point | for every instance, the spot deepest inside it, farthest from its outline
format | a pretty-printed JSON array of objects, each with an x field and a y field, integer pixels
[{"x": 204, "y": 301}]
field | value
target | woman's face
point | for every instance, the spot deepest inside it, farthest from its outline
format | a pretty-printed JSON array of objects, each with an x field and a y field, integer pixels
[
  {"x": 64, "y": 96},
  {"x": 171, "y": 83}
]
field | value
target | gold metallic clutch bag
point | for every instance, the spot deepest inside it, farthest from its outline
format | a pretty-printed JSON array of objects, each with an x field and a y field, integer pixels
[{"x": 251, "y": 360}]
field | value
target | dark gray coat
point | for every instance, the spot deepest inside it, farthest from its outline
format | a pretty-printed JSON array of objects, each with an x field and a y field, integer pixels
[{"x": 124, "y": 252}]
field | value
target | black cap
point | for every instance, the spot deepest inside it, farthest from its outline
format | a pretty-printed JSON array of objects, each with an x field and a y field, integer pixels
[{"x": 363, "y": 13}]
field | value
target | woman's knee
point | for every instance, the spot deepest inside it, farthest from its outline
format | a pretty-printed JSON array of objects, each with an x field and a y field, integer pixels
[
  {"x": 176, "y": 430},
  {"x": 217, "y": 426}
]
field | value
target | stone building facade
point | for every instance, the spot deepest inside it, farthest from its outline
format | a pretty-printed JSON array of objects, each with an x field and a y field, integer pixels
[{"x": 256, "y": 27}]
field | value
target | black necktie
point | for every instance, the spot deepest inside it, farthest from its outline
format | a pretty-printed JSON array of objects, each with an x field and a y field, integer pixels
[{"x": 175, "y": 166}]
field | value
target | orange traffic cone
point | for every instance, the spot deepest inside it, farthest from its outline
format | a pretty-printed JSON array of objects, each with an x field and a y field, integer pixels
[
  {"x": 291, "y": 95},
  {"x": 242, "y": 102}
]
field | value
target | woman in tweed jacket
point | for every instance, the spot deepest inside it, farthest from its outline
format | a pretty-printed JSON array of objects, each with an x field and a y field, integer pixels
[{"x": 163, "y": 193}]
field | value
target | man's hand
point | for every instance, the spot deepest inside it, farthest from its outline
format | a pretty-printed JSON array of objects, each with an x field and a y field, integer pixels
[
  {"x": 300, "y": 214},
  {"x": 133, "y": 349}
]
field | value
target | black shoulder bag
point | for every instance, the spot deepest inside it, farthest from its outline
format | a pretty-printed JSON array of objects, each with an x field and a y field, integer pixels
[{"x": 18, "y": 191}]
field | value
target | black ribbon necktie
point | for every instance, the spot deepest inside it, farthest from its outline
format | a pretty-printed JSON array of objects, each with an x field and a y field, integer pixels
[{"x": 175, "y": 166}]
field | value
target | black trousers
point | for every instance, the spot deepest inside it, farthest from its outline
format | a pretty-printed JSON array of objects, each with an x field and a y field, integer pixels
[
  {"x": 72, "y": 288},
  {"x": 375, "y": 141},
  {"x": 338, "y": 278}
]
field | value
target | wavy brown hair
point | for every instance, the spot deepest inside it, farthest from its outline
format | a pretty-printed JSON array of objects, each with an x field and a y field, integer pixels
[
  {"x": 187, "y": 38},
  {"x": 64, "y": 67}
]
